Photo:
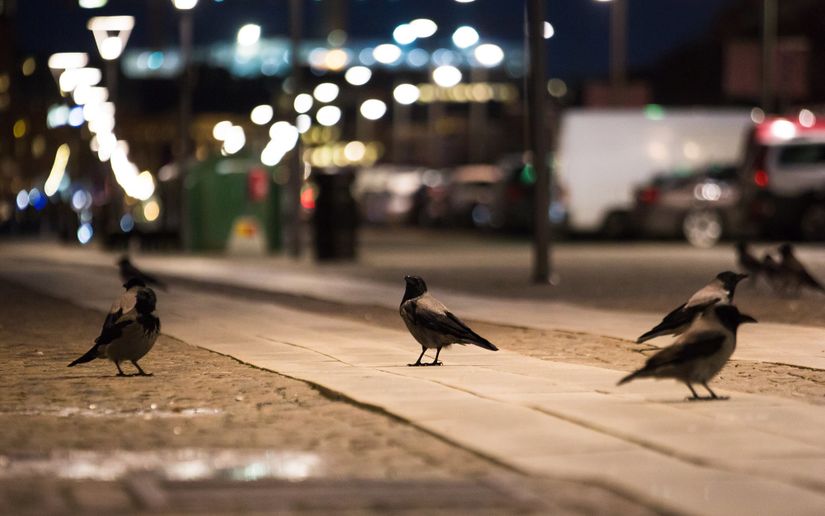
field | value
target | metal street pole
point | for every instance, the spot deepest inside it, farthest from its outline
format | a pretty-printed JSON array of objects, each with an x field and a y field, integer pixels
[
  {"x": 186, "y": 32},
  {"x": 769, "y": 23},
  {"x": 618, "y": 49},
  {"x": 296, "y": 170},
  {"x": 538, "y": 141}
]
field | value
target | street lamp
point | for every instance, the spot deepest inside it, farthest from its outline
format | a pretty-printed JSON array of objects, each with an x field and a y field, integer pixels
[
  {"x": 185, "y": 32},
  {"x": 111, "y": 34}
]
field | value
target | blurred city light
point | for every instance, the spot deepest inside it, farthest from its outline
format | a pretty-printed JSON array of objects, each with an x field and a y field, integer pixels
[
  {"x": 373, "y": 109},
  {"x": 92, "y": 4},
  {"x": 85, "y": 233},
  {"x": 326, "y": 92},
  {"x": 36, "y": 199},
  {"x": 221, "y": 130},
  {"x": 465, "y": 1},
  {"x": 67, "y": 60},
  {"x": 235, "y": 140},
  {"x": 285, "y": 134},
  {"x": 127, "y": 223},
  {"x": 465, "y": 37},
  {"x": 151, "y": 210},
  {"x": 548, "y": 30},
  {"x": 184, "y": 5},
  {"x": 404, "y": 34},
  {"x": 19, "y": 128},
  {"x": 358, "y": 75},
  {"x": 783, "y": 129},
  {"x": 22, "y": 199},
  {"x": 249, "y": 35},
  {"x": 386, "y": 53},
  {"x": 262, "y": 114},
  {"x": 446, "y": 76},
  {"x": 61, "y": 159},
  {"x": 757, "y": 115},
  {"x": 336, "y": 59},
  {"x": 328, "y": 115},
  {"x": 29, "y": 66},
  {"x": 654, "y": 112},
  {"x": 423, "y": 27},
  {"x": 76, "y": 116},
  {"x": 488, "y": 54},
  {"x": 418, "y": 57},
  {"x": 406, "y": 93},
  {"x": 303, "y": 103},
  {"x": 111, "y": 34},
  {"x": 303, "y": 123},
  {"x": 807, "y": 118},
  {"x": 92, "y": 95},
  {"x": 81, "y": 200},
  {"x": 71, "y": 78},
  {"x": 354, "y": 151},
  {"x": 556, "y": 88}
]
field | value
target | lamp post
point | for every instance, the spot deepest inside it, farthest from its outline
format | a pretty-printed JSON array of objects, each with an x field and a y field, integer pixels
[
  {"x": 296, "y": 170},
  {"x": 111, "y": 34},
  {"x": 768, "y": 45},
  {"x": 185, "y": 32},
  {"x": 618, "y": 47}
]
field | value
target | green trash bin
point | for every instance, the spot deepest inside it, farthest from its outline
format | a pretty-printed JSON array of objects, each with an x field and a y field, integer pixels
[{"x": 233, "y": 204}]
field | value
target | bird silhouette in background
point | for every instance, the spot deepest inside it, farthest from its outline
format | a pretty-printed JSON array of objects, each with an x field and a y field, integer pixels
[
  {"x": 718, "y": 291},
  {"x": 129, "y": 271},
  {"x": 793, "y": 275},
  {"x": 748, "y": 262},
  {"x": 432, "y": 325},
  {"x": 130, "y": 329},
  {"x": 699, "y": 353}
]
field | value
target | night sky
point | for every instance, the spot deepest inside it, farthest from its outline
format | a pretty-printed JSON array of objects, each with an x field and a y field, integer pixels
[{"x": 579, "y": 49}]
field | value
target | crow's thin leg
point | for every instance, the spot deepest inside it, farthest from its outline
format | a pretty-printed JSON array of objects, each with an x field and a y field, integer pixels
[
  {"x": 713, "y": 394},
  {"x": 695, "y": 396},
  {"x": 436, "y": 362},
  {"x": 418, "y": 362},
  {"x": 141, "y": 372},
  {"x": 119, "y": 370}
]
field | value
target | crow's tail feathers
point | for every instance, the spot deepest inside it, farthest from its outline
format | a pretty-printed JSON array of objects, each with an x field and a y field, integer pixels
[
  {"x": 87, "y": 357},
  {"x": 483, "y": 343},
  {"x": 632, "y": 376}
]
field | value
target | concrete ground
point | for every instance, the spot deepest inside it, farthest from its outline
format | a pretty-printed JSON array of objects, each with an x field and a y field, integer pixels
[{"x": 545, "y": 406}]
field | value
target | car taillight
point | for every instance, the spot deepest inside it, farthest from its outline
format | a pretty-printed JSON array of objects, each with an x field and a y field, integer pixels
[
  {"x": 760, "y": 178},
  {"x": 649, "y": 195}
]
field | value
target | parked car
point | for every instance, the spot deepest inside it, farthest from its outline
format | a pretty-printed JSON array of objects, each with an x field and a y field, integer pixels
[
  {"x": 695, "y": 204},
  {"x": 386, "y": 194},
  {"x": 514, "y": 197},
  {"x": 783, "y": 179},
  {"x": 472, "y": 194}
]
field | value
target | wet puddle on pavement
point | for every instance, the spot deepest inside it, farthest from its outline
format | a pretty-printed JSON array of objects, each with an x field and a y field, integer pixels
[
  {"x": 176, "y": 465},
  {"x": 92, "y": 410}
]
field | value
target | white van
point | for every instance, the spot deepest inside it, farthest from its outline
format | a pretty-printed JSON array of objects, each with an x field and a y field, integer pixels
[{"x": 604, "y": 154}]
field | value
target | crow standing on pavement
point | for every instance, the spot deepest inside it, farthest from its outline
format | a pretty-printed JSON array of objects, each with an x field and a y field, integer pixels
[
  {"x": 772, "y": 274},
  {"x": 130, "y": 329},
  {"x": 748, "y": 262},
  {"x": 432, "y": 325},
  {"x": 718, "y": 291},
  {"x": 700, "y": 353},
  {"x": 129, "y": 271},
  {"x": 793, "y": 274}
]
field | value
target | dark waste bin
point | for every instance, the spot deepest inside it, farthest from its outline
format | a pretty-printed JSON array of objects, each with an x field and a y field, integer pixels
[{"x": 335, "y": 219}]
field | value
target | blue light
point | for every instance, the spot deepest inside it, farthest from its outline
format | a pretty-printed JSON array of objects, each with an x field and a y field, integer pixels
[
  {"x": 155, "y": 60},
  {"x": 76, "y": 116},
  {"x": 37, "y": 199},
  {"x": 127, "y": 223},
  {"x": 85, "y": 233}
]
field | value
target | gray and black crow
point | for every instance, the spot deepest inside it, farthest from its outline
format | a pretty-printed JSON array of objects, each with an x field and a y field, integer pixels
[
  {"x": 700, "y": 353},
  {"x": 129, "y": 271},
  {"x": 772, "y": 273},
  {"x": 748, "y": 262},
  {"x": 130, "y": 329},
  {"x": 718, "y": 291},
  {"x": 432, "y": 325},
  {"x": 793, "y": 274}
]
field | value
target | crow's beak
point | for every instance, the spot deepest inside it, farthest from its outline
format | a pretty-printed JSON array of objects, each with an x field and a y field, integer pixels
[
  {"x": 745, "y": 318},
  {"x": 740, "y": 277}
]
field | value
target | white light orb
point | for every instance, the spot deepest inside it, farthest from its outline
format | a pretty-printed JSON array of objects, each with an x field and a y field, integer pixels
[
  {"x": 386, "y": 53},
  {"x": 406, "y": 93},
  {"x": 404, "y": 34},
  {"x": 221, "y": 129},
  {"x": 303, "y": 103},
  {"x": 326, "y": 92},
  {"x": 465, "y": 37},
  {"x": 373, "y": 109},
  {"x": 358, "y": 75},
  {"x": 548, "y": 30},
  {"x": 423, "y": 27},
  {"x": 489, "y": 55},
  {"x": 262, "y": 114},
  {"x": 249, "y": 34},
  {"x": 446, "y": 76},
  {"x": 328, "y": 115}
]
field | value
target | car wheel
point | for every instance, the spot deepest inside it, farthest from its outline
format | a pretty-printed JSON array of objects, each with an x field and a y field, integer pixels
[
  {"x": 813, "y": 223},
  {"x": 702, "y": 228}
]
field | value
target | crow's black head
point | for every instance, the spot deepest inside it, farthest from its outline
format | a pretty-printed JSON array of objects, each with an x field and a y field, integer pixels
[
  {"x": 133, "y": 282},
  {"x": 146, "y": 301},
  {"x": 731, "y": 317},
  {"x": 730, "y": 279},
  {"x": 786, "y": 249},
  {"x": 415, "y": 287},
  {"x": 124, "y": 260}
]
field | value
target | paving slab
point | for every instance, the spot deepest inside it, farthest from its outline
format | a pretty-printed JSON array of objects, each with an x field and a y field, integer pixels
[{"x": 753, "y": 454}]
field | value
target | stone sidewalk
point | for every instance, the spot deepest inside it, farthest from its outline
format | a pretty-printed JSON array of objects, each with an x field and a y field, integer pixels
[{"x": 753, "y": 454}]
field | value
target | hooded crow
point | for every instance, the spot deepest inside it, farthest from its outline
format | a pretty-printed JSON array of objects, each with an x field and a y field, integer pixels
[
  {"x": 720, "y": 290},
  {"x": 793, "y": 274},
  {"x": 129, "y": 271},
  {"x": 774, "y": 277},
  {"x": 432, "y": 325},
  {"x": 748, "y": 262},
  {"x": 130, "y": 329},
  {"x": 700, "y": 353}
]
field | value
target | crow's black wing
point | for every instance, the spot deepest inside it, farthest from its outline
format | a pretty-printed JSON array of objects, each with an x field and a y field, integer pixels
[
  {"x": 703, "y": 344},
  {"x": 677, "y": 318},
  {"x": 433, "y": 317}
]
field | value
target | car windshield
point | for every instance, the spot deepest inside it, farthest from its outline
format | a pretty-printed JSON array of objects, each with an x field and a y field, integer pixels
[{"x": 802, "y": 154}]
